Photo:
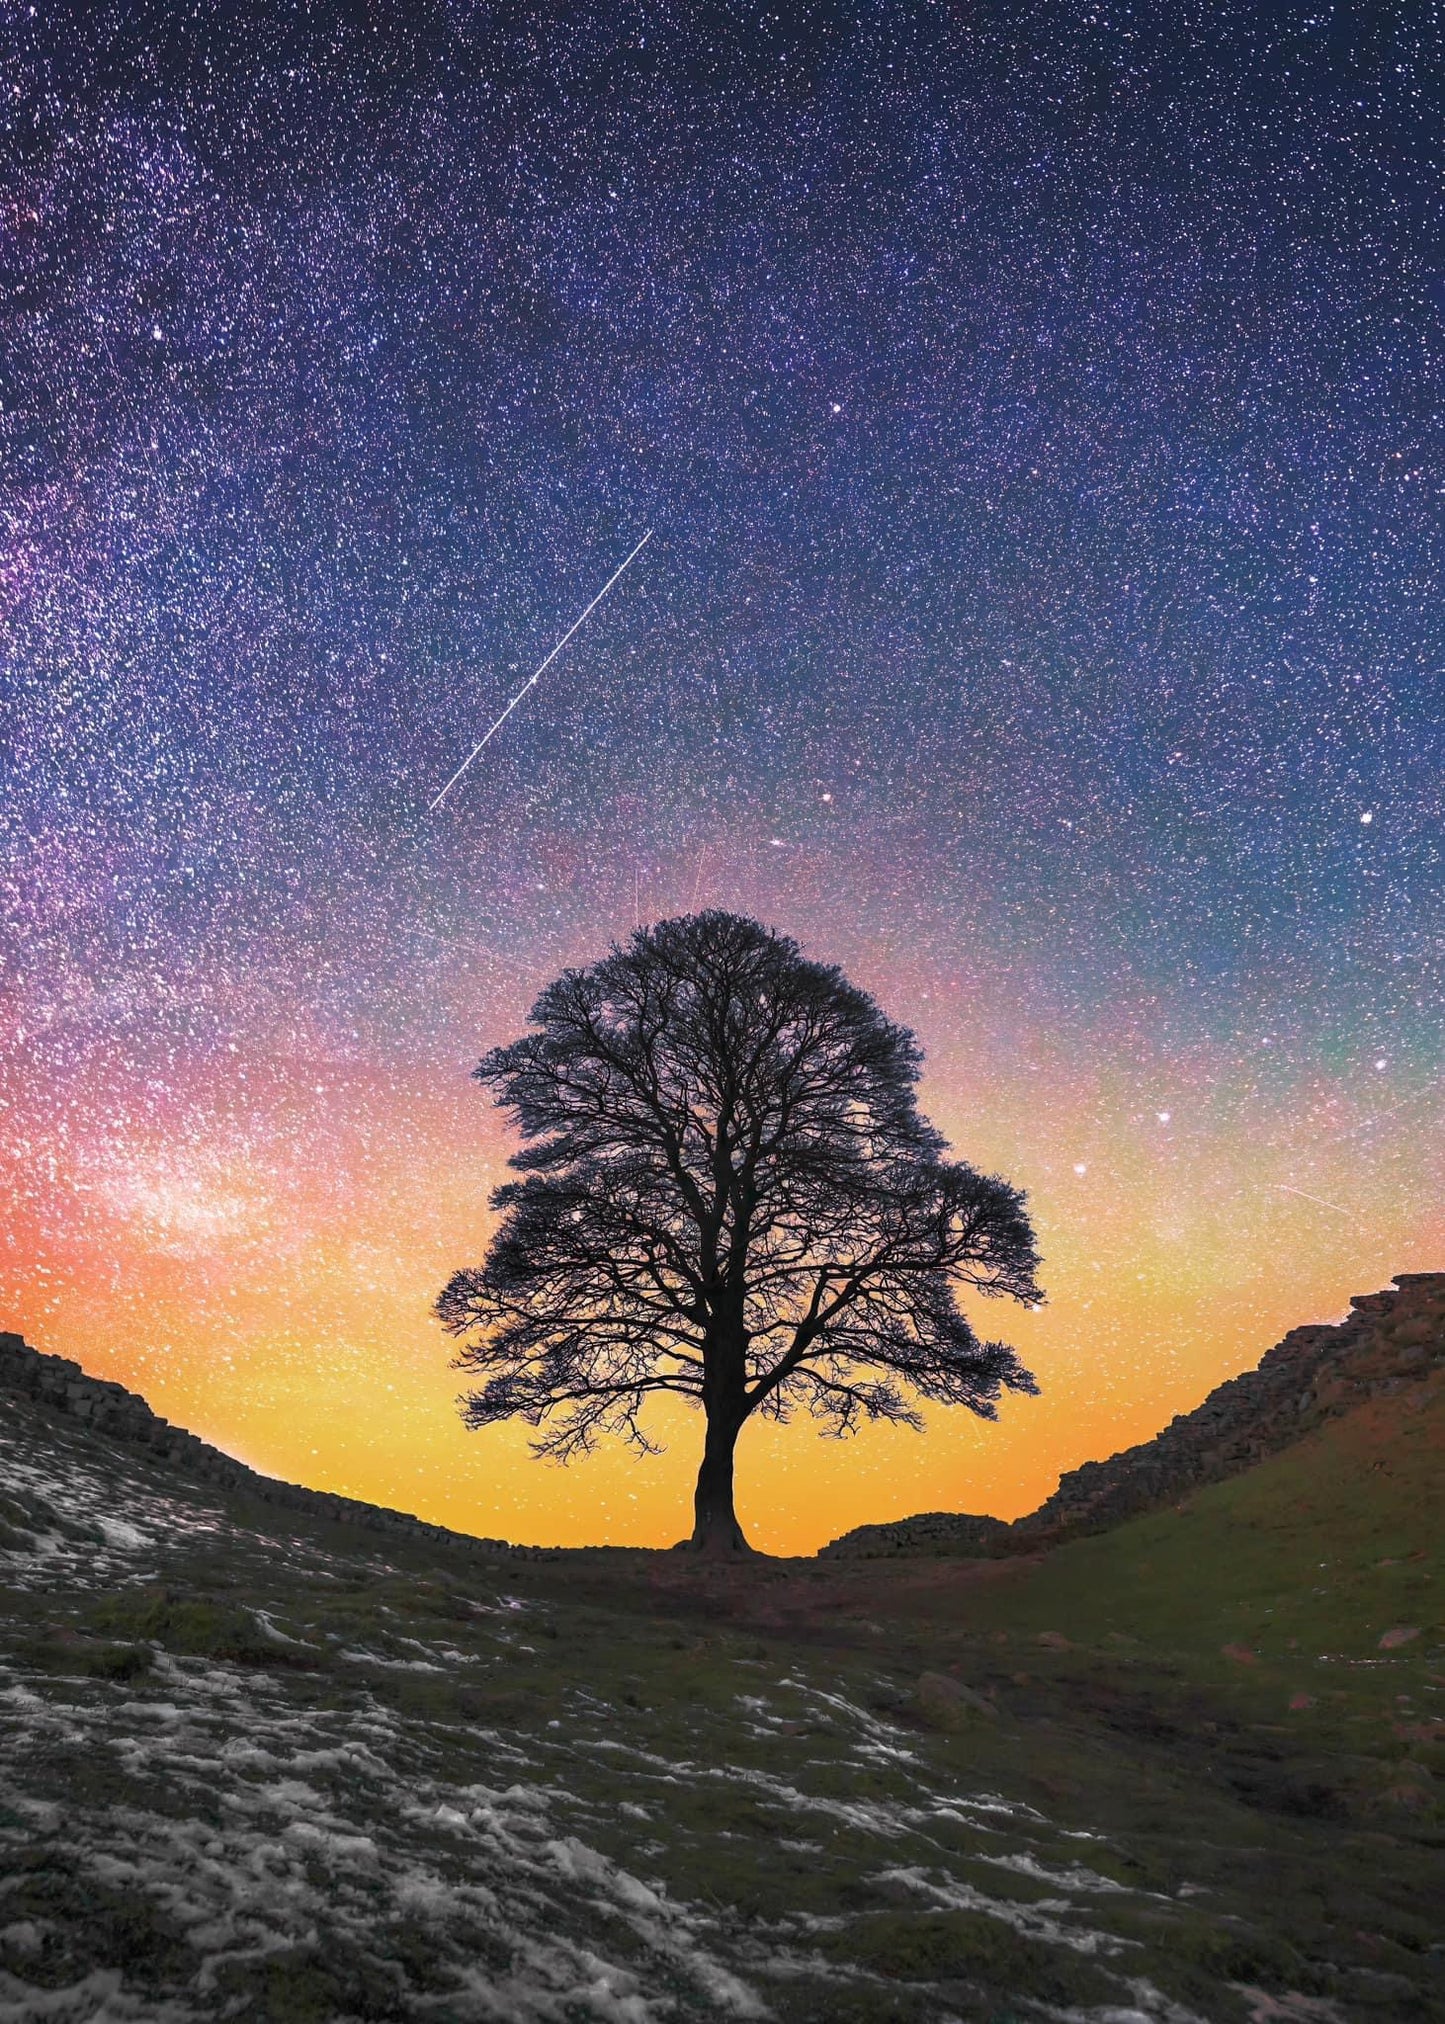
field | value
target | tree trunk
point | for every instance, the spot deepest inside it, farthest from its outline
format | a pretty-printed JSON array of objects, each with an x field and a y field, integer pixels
[{"x": 715, "y": 1528}]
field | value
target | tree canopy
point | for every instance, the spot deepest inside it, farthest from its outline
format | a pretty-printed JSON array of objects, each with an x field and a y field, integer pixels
[{"x": 728, "y": 1194}]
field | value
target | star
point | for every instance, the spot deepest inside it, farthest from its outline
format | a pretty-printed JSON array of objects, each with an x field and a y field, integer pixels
[{"x": 333, "y": 391}]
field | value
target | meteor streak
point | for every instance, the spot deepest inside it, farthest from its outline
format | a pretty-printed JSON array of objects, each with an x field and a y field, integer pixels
[
  {"x": 531, "y": 679},
  {"x": 1283, "y": 1188}
]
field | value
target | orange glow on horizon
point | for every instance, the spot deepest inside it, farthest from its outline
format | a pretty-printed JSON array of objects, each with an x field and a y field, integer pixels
[{"x": 272, "y": 1290}]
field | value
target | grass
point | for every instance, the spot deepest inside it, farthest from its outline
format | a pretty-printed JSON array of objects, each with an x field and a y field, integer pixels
[{"x": 1178, "y": 1759}]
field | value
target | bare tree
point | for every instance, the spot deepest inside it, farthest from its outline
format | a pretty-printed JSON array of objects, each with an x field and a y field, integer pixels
[{"x": 730, "y": 1195}]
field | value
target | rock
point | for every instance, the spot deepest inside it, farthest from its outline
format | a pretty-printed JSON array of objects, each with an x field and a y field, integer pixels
[
  {"x": 930, "y": 1532},
  {"x": 1431, "y": 1732},
  {"x": 1410, "y": 1798},
  {"x": 948, "y": 1704},
  {"x": 1055, "y": 1640}
]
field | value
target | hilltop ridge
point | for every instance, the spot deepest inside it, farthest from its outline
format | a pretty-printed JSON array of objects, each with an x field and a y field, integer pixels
[{"x": 1314, "y": 1374}]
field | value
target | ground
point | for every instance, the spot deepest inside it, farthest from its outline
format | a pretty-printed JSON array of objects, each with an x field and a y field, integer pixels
[{"x": 257, "y": 1767}]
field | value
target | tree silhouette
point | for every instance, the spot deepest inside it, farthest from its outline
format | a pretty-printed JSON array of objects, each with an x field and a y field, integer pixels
[{"x": 729, "y": 1194}]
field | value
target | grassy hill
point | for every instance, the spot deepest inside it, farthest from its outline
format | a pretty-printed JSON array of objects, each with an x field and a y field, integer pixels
[
  {"x": 1304, "y": 1560},
  {"x": 1388, "y": 1341},
  {"x": 258, "y": 1762}
]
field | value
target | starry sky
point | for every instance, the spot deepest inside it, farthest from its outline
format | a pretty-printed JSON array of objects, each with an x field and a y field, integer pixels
[{"x": 1038, "y": 412}]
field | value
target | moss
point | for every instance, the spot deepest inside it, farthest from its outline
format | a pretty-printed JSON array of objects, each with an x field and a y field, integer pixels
[
  {"x": 196, "y": 1626},
  {"x": 120, "y": 1662},
  {"x": 305, "y": 1987},
  {"x": 87, "y": 1924},
  {"x": 1196, "y": 1960},
  {"x": 855, "y": 2003},
  {"x": 971, "y": 1947}
]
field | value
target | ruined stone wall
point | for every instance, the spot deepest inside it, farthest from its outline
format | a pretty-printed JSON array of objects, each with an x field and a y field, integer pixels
[
  {"x": 1388, "y": 1340},
  {"x": 57, "y": 1385}
]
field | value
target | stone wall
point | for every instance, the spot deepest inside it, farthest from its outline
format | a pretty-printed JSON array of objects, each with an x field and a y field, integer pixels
[
  {"x": 1387, "y": 1340},
  {"x": 54, "y": 1384},
  {"x": 929, "y": 1532}
]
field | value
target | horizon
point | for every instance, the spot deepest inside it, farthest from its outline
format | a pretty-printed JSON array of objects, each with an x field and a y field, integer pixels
[
  {"x": 1038, "y": 618},
  {"x": 1401, "y": 1281}
]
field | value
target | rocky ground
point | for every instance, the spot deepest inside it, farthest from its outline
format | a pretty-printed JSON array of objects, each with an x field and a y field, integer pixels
[{"x": 262, "y": 1764}]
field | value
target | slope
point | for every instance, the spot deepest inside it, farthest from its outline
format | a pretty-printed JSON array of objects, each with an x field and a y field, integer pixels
[
  {"x": 1387, "y": 1342},
  {"x": 261, "y": 1763}
]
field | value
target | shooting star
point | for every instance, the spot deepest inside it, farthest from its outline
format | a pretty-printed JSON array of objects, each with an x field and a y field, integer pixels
[
  {"x": 697, "y": 882},
  {"x": 433, "y": 806},
  {"x": 1283, "y": 1188}
]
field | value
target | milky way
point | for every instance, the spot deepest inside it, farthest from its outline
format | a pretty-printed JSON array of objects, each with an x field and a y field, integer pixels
[{"x": 1038, "y": 411}]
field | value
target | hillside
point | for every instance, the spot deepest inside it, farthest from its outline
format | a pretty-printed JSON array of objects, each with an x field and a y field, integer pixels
[
  {"x": 57, "y": 1385},
  {"x": 265, "y": 1758},
  {"x": 1388, "y": 1342}
]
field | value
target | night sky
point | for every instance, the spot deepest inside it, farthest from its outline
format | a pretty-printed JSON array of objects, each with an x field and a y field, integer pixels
[{"x": 1038, "y": 410}]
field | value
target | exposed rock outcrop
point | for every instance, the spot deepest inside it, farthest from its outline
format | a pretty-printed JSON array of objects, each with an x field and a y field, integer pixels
[
  {"x": 929, "y": 1532},
  {"x": 1388, "y": 1340},
  {"x": 55, "y": 1384}
]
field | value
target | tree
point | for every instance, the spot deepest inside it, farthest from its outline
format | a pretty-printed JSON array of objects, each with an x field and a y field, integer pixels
[{"x": 730, "y": 1195}]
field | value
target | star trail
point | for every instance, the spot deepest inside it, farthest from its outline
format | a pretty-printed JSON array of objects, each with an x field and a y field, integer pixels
[{"x": 1038, "y": 409}]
